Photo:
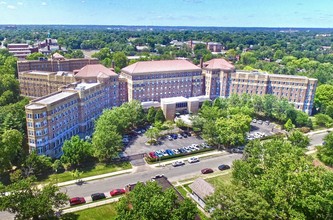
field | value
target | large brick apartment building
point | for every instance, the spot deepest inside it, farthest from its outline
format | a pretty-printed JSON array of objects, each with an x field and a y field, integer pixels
[{"x": 175, "y": 84}]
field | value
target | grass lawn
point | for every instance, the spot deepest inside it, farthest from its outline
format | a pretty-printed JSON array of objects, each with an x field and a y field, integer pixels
[
  {"x": 225, "y": 178},
  {"x": 103, "y": 212},
  {"x": 96, "y": 169},
  {"x": 181, "y": 190}
]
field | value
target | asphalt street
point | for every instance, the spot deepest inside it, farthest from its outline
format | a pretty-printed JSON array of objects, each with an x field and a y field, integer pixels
[{"x": 173, "y": 174}]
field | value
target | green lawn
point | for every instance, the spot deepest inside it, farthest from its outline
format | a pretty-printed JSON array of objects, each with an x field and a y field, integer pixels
[
  {"x": 107, "y": 211},
  {"x": 93, "y": 170},
  {"x": 181, "y": 190},
  {"x": 225, "y": 178}
]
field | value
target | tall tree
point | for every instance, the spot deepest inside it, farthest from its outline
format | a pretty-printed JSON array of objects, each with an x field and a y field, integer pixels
[
  {"x": 76, "y": 151},
  {"x": 325, "y": 152},
  {"x": 298, "y": 139},
  {"x": 28, "y": 201},
  {"x": 232, "y": 131},
  {"x": 149, "y": 201},
  {"x": 107, "y": 142},
  {"x": 151, "y": 114},
  {"x": 159, "y": 116},
  {"x": 10, "y": 148},
  {"x": 275, "y": 181}
]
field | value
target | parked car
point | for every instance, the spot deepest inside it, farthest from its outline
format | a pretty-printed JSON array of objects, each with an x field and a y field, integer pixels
[
  {"x": 169, "y": 138},
  {"x": 97, "y": 196},
  {"x": 260, "y": 122},
  {"x": 179, "y": 136},
  {"x": 188, "y": 134},
  {"x": 267, "y": 122},
  {"x": 174, "y": 136},
  {"x": 116, "y": 192},
  {"x": 254, "y": 120},
  {"x": 182, "y": 150},
  {"x": 193, "y": 160},
  {"x": 224, "y": 167},
  {"x": 170, "y": 152},
  {"x": 152, "y": 155},
  {"x": 178, "y": 163},
  {"x": 76, "y": 201},
  {"x": 184, "y": 135},
  {"x": 207, "y": 170},
  {"x": 175, "y": 151}
]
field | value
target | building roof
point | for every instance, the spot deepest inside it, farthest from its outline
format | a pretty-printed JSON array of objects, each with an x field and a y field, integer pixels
[
  {"x": 57, "y": 56},
  {"x": 202, "y": 188},
  {"x": 53, "y": 98},
  {"x": 221, "y": 64},
  {"x": 160, "y": 66},
  {"x": 94, "y": 70}
]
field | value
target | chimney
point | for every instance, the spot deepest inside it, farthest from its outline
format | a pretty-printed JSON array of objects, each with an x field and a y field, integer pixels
[
  {"x": 50, "y": 41},
  {"x": 112, "y": 64},
  {"x": 46, "y": 41},
  {"x": 201, "y": 62},
  {"x": 59, "y": 47},
  {"x": 48, "y": 47}
]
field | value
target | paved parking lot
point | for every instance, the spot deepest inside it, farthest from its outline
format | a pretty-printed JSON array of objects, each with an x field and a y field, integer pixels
[
  {"x": 138, "y": 146},
  {"x": 264, "y": 128}
]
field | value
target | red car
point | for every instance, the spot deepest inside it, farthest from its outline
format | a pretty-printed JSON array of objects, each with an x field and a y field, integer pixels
[
  {"x": 76, "y": 201},
  {"x": 116, "y": 192},
  {"x": 152, "y": 155},
  {"x": 207, "y": 170}
]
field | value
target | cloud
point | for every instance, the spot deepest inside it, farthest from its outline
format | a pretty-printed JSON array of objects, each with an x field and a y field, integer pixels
[
  {"x": 44, "y": 3},
  {"x": 20, "y": 3},
  {"x": 11, "y": 7},
  {"x": 83, "y": 1},
  {"x": 3, "y": 3}
]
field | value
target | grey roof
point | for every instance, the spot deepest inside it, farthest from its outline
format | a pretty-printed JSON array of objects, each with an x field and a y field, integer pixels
[{"x": 202, "y": 188}]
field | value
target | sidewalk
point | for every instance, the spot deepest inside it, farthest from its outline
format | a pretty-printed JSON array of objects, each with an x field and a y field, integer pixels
[
  {"x": 90, "y": 205},
  {"x": 97, "y": 177},
  {"x": 319, "y": 131}
]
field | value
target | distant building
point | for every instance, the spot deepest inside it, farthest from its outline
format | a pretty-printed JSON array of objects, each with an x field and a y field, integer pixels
[
  {"x": 48, "y": 46},
  {"x": 20, "y": 51},
  {"x": 222, "y": 80},
  {"x": 41, "y": 77},
  {"x": 57, "y": 117},
  {"x": 153, "y": 80},
  {"x": 73, "y": 93}
]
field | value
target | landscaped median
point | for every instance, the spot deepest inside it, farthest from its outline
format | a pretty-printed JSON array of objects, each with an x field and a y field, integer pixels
[
  {"x": 96, "y": 172},
  {"x": 201, "y": 154}
]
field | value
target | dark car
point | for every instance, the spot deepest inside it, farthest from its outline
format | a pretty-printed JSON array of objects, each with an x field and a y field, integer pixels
[
  {"x": 76, "y": 201},
  {"x": 97, "y": 196},
  {"x": 224, "y": 167},
  {"x": 207, "y": 170},
  {"x": 174, "y": 136},
  {"x": 116, "y": 192}
]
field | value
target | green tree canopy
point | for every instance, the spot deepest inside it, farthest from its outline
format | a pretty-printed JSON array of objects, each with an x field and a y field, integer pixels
[
  {"x": 76, "y": 151},
  {"x": 276, "y": 180},
  {"x": 298, "y": 139},
  {"x": 29, "y": 201},
  {"x": 149, "y": 201},
  {"x": 325, "y": 152}
]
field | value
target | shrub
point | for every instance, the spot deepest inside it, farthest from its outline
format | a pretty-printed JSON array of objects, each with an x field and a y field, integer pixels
[{"x": 304, "y": 129}]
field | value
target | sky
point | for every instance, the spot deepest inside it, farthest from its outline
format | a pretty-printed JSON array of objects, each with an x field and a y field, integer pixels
[{"x": 220, "y": 13}]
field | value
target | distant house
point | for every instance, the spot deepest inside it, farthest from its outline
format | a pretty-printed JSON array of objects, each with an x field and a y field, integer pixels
[{"x": 200, "y": 191}]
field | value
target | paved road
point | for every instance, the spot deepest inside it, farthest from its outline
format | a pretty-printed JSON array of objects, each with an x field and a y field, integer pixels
[
  {"x": 316, "y": 139},
  {"x": 173, "y": 174}
]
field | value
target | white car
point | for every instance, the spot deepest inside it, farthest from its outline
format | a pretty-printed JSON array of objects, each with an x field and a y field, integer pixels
[
  {"x": 178, "y": 163},
  {"x": 193, "y": 160}
]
